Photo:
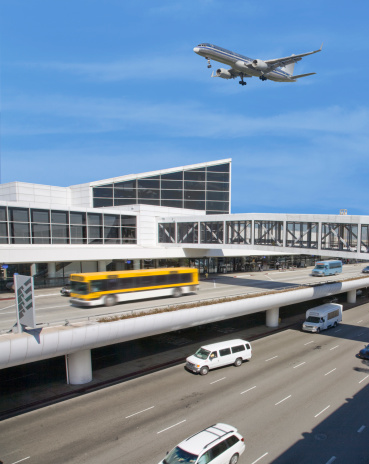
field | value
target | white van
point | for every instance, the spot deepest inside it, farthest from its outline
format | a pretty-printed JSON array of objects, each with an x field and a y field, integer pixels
[
  {"x": 219, "y": 354},
  {"x": 322, "y": 317}
]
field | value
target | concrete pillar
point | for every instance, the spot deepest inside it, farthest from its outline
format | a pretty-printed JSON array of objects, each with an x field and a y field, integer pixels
[
  {"x": 136, "y": 264},
  {"x": 33, "y": 269},
  {"x": 272, "y": 317},
  {"x": 51, "y": 269},
  {"x": 101, "y": 266},
  {"x": 351, "y": 296},
  {"x": 79, "y": 367}
]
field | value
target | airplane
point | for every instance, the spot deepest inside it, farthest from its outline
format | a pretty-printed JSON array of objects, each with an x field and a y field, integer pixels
[{"x": 278, "y": 70}]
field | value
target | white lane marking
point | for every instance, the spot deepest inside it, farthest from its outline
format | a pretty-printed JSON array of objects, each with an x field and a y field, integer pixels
[
  {"x": 338, "y": 330},
  {"x": 333, "y": 458},
  {"x": 298, "y": 365},
  {"x": 258, "y": 459},
  {"x": 331, "y": 371},
  {"x": 171, "y": 426},
  {"x": 271, "y": 358},
  {"x": 361, "y": 429},
  {"x": 139, "y": 412},
  {"x": 8, "y": 307},
  {"x": 361, "y": 333},
  {"x": 322, "y": 411},
  {"x": 358, "y": 322},
  {"x": 247, "y": 390},
  {"x": 334, "y": 348},
  {"x": 215, "y": 381},
  {"x": 312, "y": 341},
  {"x": 284, "y": 399},
  {"x": 364, "y": 379},
  {"x": 21, "y": 460}
]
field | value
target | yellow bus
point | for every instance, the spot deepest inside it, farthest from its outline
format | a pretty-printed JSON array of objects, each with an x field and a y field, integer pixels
[{"x": 109, "y": 288}]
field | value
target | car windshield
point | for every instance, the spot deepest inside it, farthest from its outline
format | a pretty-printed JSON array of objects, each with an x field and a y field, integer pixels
[
  {"x": 202, "y": 354},
  {"x": 313, "y": 319},
  {"x": 180, "y": 456},
  {"x": 79, "y": 287}
]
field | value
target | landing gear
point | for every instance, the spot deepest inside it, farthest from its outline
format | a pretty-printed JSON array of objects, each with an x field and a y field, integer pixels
[
  {"x": 208, "y": 60},
  {"x": 262, "y": 78},
  {"x": 242, "y": 82}
]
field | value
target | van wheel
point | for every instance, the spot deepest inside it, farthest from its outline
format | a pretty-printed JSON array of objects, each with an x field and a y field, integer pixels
[
  {"x": 238, "y": 363},
  {"x": 177, "y": 292},
  {"x": 110, "y": 300},
  {"x": 335, "y": 324},
  {"x": 318, "y": 330},
  {"x": 234, "y": 459},
  {"x": 203, "y": 371}
]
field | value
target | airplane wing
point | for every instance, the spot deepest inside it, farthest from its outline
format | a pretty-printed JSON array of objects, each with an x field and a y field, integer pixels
[{"x": 275, "y": 63}]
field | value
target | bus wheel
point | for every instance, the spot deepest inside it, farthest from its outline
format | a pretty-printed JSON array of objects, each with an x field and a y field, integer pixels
[
  {"x": 177, "y": 292},
  {"x": 110, "y": 300}
]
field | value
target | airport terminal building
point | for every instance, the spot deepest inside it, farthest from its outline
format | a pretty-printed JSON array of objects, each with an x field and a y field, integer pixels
[{"x": 178, "y": 216}]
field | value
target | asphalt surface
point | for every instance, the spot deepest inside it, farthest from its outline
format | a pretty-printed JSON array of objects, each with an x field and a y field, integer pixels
[{"x": 303, "y": 398}]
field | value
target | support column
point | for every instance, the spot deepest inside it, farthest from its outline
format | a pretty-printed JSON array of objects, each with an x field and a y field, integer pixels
[
  {"x": 351, "y": 296},
  {"x": 33, "y": 269},
  {"x": 136, "y": 264},
  {"x": 272, "y": 317},
  {"x": 79, "y": 367},
  {"x": 51, "y": 269},
  {"x": 101, "y": 266}
]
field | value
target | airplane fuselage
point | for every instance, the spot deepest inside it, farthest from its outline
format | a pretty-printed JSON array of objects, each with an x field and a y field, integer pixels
[{"x": 240, "y": 63}]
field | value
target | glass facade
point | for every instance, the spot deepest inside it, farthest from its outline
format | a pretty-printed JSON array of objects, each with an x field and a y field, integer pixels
[
  {"x": 205, "y": 188},
  {"x": 302, "y": 234},
  {"x": 341, "y": 237},
  {"x": 44, "y": 226}
]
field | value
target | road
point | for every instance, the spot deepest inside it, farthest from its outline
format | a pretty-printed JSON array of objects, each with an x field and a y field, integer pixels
[
  {"x": 303, "y": 398},
  {"x": 51, "y": 307}
]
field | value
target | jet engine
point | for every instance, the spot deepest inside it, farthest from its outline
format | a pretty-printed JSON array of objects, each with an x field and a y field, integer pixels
[
  {"x": 223, "y": 73},
  {"x": 260, "y": 65}
]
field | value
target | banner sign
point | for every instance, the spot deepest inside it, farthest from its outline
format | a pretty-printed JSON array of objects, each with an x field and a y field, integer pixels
[{"x": 25, "y": 301}]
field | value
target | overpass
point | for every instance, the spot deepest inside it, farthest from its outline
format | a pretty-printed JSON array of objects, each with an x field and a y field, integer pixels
[{"x": 75, "y": 341}]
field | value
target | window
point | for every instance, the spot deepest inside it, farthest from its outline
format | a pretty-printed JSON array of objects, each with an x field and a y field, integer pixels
[
  {"x": 39, "y": 215},
  {"x": 237, "y": 349},
  {"x": 218, "y": 449},
  {"x": 225, "y": 352},
  {"x": 232, "y": 440}
]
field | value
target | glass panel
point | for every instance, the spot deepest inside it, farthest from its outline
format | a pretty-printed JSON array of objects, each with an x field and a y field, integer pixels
[
  {"x": 94, "y": 232},
  {"x": 3, "y": 230},
  {"x": 121, "y": 202},
  {"x": 103, "y": 192},
  {"x": 124, "y": 193},
  {"x": 148, "y": 193},
  {"x": 223, "y": 187},
  {"x": 217, "y": 196},
  {"x": 19, "y": 214},
  {"x": 194, "y": 204},
  {"x": 78, "y": 240},
  {"x": 3, "y": 240},
  {"x": 111, "y": 232},
  {"x": 77, "y": 218},
  {"x": 128, "y": 220},
  {"x": 78, "y": 232},
  {"x": 111, "y": 220},
  {"x": 195, "y": 175},
  {"x": 59, "y": 230},
  {"x": 172, "y": 203},
  {"x": 94, "y": 219},
  {"x": 217, "y": 205},
  {"x": 19, "y": 230},
  {"x": 194, "y": 195},
  {"x": 2, "y": 213},
  {"x": 56, "y": 240},
  {"x": 102, "y": 202},
  {"x": 146, "y": 183},
  {"x": 149, "y": 202},
  {"x": 194, "y": 185},
  {"x": 40, "y": 233},
  {"x": 217, "y": 177},
  {"x": 172, "y": 176},
  {"x": 171, "y": 184},
  {"x": 127, "y": 185},
  {"x": 59, "y": 217},
  {"x": 171, "y": 194},
  {"x": 40, "y": 215},
  {"x": 219, "y": 168}
]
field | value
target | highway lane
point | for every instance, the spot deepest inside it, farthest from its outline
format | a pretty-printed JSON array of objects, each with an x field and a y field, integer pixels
[
  {"x": 302, "y": 398},
  {"x": 51, "y": 307}
]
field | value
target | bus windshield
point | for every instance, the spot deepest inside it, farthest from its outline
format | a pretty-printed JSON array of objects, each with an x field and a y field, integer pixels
[
  {"x": 320, "y": 266},
  {"x": 79, "y": 287},
  {"x": 314, "y": 319},
  {"x": 202, "y": 354}
]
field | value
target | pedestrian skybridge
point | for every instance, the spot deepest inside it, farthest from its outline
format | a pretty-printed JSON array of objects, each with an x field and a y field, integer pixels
[{"x": 340, "y": 236}]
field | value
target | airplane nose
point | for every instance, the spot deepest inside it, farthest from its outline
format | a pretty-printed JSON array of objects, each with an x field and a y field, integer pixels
[{"x": 196, "y": 49}]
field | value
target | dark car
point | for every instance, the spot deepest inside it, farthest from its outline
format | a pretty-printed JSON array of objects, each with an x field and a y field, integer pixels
[
  {"x": 366, "y": 270},
  {"x": 65, "y": 291},
  {"x": 364, "y": 353}
]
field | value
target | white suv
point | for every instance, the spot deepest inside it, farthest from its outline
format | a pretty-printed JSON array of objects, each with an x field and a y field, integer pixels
[{"x": 217, "y": 444}]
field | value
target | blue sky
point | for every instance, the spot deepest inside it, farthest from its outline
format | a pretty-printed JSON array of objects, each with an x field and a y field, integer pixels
[{"x": 92, "y": 90}]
